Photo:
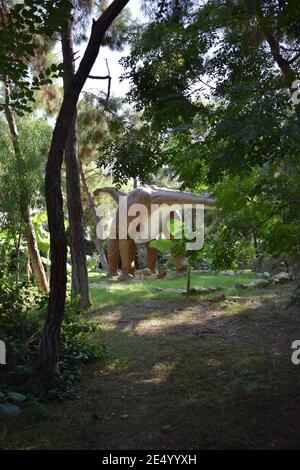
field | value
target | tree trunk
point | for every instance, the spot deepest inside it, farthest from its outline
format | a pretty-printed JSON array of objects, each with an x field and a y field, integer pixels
[
  {"x": 93, "y": 209},
  {"x": 255, "y": 243},
  {"x": 80, "y": 285},
  {"x": 38, "y": 268},
  {"x": 49, "y": 351},
  {"x": 27, "y": 270},
  {"x": 17, "y": 247},
  {"x": 289, "y": 75},
  {"x": 33, "y": 251},
  {"x": 188, "y": 279}
]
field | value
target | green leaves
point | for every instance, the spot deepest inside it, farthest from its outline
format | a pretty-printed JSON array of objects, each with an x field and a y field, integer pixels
[
  {"x": 135, "y": 152},
  {"x": 25, "y": 24},
  {"x": 9, "y": 410},
  {"x": 162, "y": 245}
]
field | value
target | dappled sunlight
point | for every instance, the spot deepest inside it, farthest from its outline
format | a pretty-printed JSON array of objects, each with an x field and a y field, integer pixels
[
  {"x": 160, "y": 373},
  {"x": 164, "y": 323},
  {"x": 106, "y": 294},
  {"x": 185, "y": 364}
]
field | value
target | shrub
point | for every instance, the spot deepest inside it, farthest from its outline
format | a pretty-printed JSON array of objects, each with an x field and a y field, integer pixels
[{"x": 22, "y": 309}]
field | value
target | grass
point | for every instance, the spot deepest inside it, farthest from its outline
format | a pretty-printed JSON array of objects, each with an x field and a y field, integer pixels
[
  {"x": 112, "y": 293},
  {"x": 180, "y": 373}
]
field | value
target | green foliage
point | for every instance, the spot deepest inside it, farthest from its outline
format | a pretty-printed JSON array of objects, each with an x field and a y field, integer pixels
[
  {"x": 9, "y": 409},
  {"x": 134, "y": 152},
  {"x": 178, "y": 246},
  {"x": 22, "y": 310},
  {"x": 162, "y": 245},
  {"x": 42, "y": 235},
  {"x": 21, "y": 179},
  {"x": 22, "y": 25},
  {"x": 208, "y": 82},
  {"x": 227, "y": 250}
]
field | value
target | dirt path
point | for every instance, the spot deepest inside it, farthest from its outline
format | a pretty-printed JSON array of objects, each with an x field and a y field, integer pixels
[
  {"x": 197, "y": 375},
  {"x": 187, "y": 374}
]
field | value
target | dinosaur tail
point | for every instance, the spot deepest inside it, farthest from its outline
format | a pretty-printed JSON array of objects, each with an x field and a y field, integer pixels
[
  {"x": 112, "y": 192},
  {"x": 177, "y": 197}
]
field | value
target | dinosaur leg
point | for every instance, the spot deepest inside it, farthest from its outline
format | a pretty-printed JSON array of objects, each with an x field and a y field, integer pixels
[
  {"x": 152, "y": 256},
  {"x": 180, "y": 263},
  {"x": 113, "y": 257},
  {"x": 127, "y": 252}
]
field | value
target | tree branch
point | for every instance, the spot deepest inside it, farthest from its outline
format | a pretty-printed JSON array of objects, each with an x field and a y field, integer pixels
[{"x": 99, "y": 77}]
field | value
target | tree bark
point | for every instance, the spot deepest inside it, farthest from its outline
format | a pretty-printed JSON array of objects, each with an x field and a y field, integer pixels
[
  {"x": 284, "y": 65},
  {"x": 93, "y": 209},
  {"x": 80, "y": 285},
  {"x": 49, "y": 351},
  {"x": 33, "y": 251},
  {"x": 17, "y": 247}
]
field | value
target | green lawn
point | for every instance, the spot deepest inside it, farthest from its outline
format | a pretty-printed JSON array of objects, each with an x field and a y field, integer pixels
[{"x": 111, "y": 293}]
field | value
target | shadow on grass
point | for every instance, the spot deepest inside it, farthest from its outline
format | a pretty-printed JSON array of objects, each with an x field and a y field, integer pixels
[
  {"x": 203, "y": 382},
  {"x": 184, "y": 374}
]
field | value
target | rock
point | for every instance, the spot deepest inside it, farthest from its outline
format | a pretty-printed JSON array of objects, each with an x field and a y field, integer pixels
[
  {"x": 218, "y": 298},
  {"x": 202, "y": 290},
  {"x": 282, "y": 278},
  {"x": 175, "y": 290},
  {"x": 266, "y": 275},
  {"x": 166, "y": 428},
  {"x": 259, "y": 284},
  {"x": 145, "y": 272},
  {"x": 125, "y": 277},
  {"x": 205, "y": 290},
  {"x": 239, "y": 285},
  {"x": 156, "y": 289}
]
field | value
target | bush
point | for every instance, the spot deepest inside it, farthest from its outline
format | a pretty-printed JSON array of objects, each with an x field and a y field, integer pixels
[{"x": 22, "y": 309}]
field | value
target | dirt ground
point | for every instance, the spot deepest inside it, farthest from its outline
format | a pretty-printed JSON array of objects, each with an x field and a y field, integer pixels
[{"x": 184, "y": 374}]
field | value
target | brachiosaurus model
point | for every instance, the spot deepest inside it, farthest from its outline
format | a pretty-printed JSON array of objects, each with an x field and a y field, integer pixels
[{"x": 147, "y": 196}]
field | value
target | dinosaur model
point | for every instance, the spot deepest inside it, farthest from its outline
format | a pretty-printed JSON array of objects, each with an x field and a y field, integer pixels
[{"x": 147, "y": 196}]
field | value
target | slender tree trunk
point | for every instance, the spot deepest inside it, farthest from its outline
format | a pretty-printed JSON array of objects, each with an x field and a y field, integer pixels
[
  {"x": 38, "y": 268},
  {"x": 49, "y": 351},
  {"x": 5, "y": 263},
  {"x": 188, "y": 279},
  {"x": 80, "y": 285},
  {"x": 255, "y": 243},
  {"x": 33, "y": 251},
  {"x": 93, "y": 209},
  {"x": 17, "y": 246},
  {"x": 27, "y": 270}
]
